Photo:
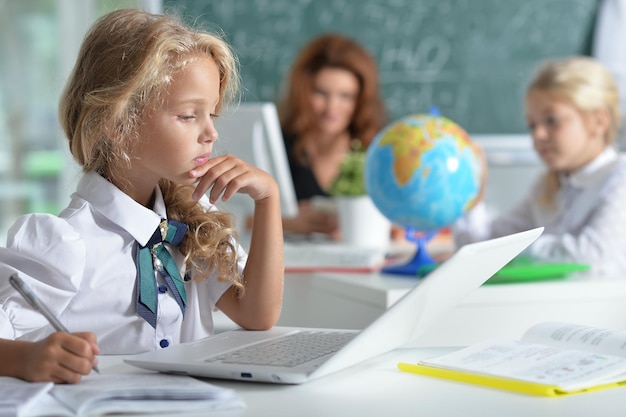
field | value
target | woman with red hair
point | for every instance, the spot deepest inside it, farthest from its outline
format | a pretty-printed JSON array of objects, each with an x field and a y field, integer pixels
[{"x": 332, "y": 104}]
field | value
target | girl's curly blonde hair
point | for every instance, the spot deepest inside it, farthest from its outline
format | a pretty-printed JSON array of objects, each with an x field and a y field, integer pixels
[{"x": 124, "y": 67}]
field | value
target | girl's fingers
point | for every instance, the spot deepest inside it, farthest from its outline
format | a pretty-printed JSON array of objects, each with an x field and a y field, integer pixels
[
  {"x": 70, "y": 369},
  {"x": 227, "y": 178},
  {"x": 61, "y": 358},
  {"x": 228, "y": 175},
  {"x": 209, "y": 173},
  {"x": 92, "y": 339}
]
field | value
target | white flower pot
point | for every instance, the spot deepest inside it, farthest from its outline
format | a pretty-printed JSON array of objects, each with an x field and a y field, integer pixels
[{"x": 361, "y": 224}]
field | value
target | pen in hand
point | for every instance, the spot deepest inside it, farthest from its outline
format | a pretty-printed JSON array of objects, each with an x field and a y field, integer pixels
[{"x": 36, "y": 303}]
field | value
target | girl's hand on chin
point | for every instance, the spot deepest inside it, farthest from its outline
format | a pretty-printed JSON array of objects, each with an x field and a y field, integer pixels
[{"x": 226, "y": 175}]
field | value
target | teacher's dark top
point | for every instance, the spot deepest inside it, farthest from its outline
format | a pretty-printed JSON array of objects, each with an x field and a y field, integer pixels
[{"x": 304, "y": 181}]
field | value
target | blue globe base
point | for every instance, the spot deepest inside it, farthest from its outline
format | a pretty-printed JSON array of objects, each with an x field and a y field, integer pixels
[{"x": 420, "y": 260}]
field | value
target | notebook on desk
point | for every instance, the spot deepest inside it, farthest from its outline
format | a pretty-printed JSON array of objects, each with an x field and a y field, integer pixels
[{"x": 241, "y": 355}]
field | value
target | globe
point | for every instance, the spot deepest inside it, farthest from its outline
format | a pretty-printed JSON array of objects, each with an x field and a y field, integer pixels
[{"x": 423, "y": 172}]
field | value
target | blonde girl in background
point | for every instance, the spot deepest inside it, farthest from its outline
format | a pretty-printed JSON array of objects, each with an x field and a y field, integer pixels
[
  {"x": 572, "y": 113},
  {"x": 141, "y": 257}
]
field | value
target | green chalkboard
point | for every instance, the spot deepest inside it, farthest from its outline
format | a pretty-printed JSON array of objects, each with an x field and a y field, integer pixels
[{"x": 470, "y": 58}]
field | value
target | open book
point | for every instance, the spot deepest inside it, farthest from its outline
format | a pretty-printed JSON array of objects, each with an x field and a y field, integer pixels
[
  {"x": 19, "y": 397},
  {"x": 551, "y": 359},
  {"x": 98, "y": 395}
]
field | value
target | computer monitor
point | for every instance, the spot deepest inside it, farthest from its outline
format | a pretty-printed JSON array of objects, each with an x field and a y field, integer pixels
[
  {"x": 251, "y": 131},
  {"x": 512, "y": 169}
]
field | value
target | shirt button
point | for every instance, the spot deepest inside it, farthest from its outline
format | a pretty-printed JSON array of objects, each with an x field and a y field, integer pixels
[
  {"x": 162, "y": 289},
  {"x": 164, "y": 343}
]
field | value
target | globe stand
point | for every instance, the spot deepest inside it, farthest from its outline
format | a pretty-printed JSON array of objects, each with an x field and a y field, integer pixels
[{"x": 420, "y": 260}]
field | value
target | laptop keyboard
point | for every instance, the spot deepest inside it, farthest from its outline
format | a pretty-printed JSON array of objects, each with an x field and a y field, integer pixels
[{"x": 289, "y": 350}]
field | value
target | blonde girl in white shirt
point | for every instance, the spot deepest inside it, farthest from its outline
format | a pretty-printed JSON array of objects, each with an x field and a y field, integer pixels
[
  {"x": 572, "y": 113},
  {"x": 138, "y": 111}
]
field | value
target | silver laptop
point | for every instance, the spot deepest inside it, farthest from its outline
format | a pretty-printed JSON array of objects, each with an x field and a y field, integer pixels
[{"x": 287, "y": 355}]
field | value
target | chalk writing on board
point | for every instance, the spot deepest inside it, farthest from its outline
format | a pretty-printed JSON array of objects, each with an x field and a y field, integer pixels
[{"x": 471, "y": 58}]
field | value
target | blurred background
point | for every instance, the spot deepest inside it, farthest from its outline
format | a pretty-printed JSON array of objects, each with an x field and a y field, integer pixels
[
  {"x": 39, "y": 40},
  {"x": 470, "y": 58}
]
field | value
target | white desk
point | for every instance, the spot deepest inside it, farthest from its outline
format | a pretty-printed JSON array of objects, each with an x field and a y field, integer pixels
[
  {"x": 378, "y": 388},
  {"x": 355, "y": 300}
]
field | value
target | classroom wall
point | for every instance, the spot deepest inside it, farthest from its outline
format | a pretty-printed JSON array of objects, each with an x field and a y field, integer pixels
[{"x": 470, "y": 58}]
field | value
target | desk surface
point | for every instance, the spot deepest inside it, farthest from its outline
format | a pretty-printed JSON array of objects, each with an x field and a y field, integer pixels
[
  {"x": 506, "y": 310},
  {"x": 378, "y": 388}
]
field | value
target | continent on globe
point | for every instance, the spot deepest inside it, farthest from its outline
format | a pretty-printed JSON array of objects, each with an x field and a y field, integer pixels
[{"x": 423, "y": 172}]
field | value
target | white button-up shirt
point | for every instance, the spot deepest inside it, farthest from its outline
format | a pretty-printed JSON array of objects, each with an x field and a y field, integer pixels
[
  {"x": 586, "y": 223},
  {"x": 81, "y": 264}
]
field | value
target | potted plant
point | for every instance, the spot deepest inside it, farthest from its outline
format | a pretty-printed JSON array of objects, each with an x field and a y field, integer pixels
[
  {"x": 351, "y": 179},
  {"x": 360, "y": 222}
]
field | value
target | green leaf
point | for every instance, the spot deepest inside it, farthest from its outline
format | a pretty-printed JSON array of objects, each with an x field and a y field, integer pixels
[{"x": 350, "y": 181}]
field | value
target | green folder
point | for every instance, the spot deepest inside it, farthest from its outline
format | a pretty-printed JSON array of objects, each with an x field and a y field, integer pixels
[
  {"x": 536, "y": 272},
  {"x": 526, "y": 270}
]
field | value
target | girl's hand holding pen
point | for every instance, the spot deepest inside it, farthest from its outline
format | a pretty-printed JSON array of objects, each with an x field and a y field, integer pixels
[{"x": 60, "y": 357}]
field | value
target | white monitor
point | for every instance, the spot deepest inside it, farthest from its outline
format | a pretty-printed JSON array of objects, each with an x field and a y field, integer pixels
[
  {"x": 251, "y": 131},
  {"x": 512, "y": 168}
]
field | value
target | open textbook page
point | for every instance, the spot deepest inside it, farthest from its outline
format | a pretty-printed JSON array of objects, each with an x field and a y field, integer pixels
[
  {"x": 575, "y": 336},
  {"x": 17, "y": 397},
  {"x": 139, "y": 393},
  {"x": 154, "y": 393},
  {"x": 551, "y": 359}
]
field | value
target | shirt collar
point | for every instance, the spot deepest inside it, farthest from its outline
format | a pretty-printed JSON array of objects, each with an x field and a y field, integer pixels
[
  {"x": 594, "y": 172},
  {"x": 117, "y": 206}
]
